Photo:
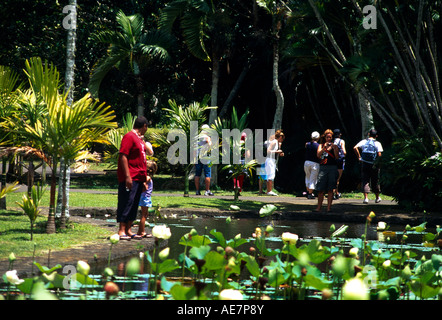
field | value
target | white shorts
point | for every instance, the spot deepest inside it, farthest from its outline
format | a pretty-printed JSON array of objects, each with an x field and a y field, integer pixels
[
  {"x": 311, "y": 170},
  {"x": 270, "y": 168}
]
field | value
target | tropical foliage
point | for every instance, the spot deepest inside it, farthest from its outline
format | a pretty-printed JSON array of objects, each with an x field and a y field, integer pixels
[
  {"x": 49, "y": 124},
  {"x": 130, "y": 48}
]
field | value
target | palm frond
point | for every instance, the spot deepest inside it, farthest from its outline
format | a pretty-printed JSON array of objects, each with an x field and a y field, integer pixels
[
  {"x": 192, "y": 26},
  {"x": 101, "y": 69},
  {"x": 170, "y": 13}
]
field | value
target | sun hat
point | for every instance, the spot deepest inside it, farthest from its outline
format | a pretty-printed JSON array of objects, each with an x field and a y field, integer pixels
[{"x": 315, "y": 135}]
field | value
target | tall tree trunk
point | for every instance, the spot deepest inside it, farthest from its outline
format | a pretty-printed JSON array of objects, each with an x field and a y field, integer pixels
[
  {"x": 70, "y": 53},
  {"x": 366, "y": 116},
  {"x": 364, "y": 104},
  {"x": 3, "y": 183},
  {"x": 31, "y": 172},
  {"x": 214, "y": 92},
  {"x": 50, "y": 226},
  {"x": 63, "y": 189},
  {"x": 140, "y": 90},
  {"x": 186, "y": 180},
  {"x": 64, "y": 180},
  {"x": 234, "y": 90},
  {"x": 277, "y": 120},
  {"x": 214, "y": 104}
]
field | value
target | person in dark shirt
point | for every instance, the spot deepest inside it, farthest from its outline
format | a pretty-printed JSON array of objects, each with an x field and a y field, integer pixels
[{"x": 311, "y": 164}]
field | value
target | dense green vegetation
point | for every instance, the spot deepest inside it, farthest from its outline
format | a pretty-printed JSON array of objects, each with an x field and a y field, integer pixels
[{"x": 299, "y": 65}]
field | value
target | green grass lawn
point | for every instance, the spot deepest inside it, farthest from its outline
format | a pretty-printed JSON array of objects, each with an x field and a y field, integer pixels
[
  {"x": 15, "y": 235},
  {"x": 15, "y": 228}
]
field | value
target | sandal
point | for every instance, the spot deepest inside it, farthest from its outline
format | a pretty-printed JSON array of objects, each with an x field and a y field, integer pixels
[
  {"x": 136, "y": 237},
  {"x": 145, "y": 235},
  {"x": 124, "y": 237}
]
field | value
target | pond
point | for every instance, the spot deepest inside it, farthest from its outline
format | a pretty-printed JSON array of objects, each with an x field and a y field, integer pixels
[{"x": 309, "y": 232}]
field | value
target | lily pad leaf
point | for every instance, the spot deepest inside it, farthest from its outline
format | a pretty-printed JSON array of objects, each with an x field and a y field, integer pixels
[
  {"x": 45, "y": 269},
  {"x": 267, "y": 210}
]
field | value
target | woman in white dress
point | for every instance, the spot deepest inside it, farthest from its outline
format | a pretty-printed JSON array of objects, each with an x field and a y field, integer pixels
[{"x": 273, "y": 151}]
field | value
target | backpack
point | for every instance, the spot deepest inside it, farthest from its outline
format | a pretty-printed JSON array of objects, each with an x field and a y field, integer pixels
[
  {"x": 369, "y": 151},
  {"x": 338, "y": 143}
]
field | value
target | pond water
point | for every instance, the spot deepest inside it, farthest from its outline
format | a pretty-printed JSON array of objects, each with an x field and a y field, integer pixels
[{"x": 306, "y": 230}]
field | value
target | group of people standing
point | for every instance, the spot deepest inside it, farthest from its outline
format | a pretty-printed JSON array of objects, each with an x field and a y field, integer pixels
[
  {"x": 324, "y": 164},
  {"x": 325, "y": 161}
]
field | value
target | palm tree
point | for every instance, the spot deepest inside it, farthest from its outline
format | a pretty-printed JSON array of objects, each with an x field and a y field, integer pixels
[
  {"x": 9, "y": 88},
  {"x": 181, "y": 118},
  {"x": 62, "y": 131},
  {"x": 207, "y": 28},
  {"x": 235, "y": 169},
  {"x": 133, "y": 45}
]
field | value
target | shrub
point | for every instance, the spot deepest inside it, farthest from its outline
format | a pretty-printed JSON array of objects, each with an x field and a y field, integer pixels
[{"x": 412, "y": 171}]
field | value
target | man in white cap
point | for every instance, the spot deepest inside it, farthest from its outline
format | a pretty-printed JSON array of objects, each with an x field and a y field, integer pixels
[
  {"x": 204, "y": 145},
  {"x": 311, "y": 164}
]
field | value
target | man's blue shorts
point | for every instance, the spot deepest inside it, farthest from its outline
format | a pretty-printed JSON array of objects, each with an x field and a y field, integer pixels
[{"x": 199, "y": 169}]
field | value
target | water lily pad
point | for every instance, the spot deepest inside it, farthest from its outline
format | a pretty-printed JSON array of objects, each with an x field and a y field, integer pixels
[{"x": 267, "y": 210}]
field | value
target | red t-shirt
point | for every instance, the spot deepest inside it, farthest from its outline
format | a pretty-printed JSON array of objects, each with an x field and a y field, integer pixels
[{"x": 134, "y": 148}]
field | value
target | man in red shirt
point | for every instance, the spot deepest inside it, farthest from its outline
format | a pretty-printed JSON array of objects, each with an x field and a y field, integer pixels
[{"x": 131, "y": 174}]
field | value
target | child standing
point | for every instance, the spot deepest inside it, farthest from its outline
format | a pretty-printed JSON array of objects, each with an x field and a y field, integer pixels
[{"x": 146, "y": 198}]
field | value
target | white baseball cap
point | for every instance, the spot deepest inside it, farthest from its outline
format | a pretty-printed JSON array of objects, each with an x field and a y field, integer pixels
[{"x": 315, "y": 135}]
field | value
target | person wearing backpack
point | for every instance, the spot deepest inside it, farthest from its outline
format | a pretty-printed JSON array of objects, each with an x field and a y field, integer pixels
[
  {"x": 340, "y": 161},
  {"x": 368, "y": 152}
]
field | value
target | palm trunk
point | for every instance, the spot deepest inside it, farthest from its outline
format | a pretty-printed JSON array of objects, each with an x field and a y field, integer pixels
[
  {"x": 140, "y": 90},
  {"x": 214, "y": 93},
  {"x": 65, "y": 191},
  {"x": 50, "y": 226},
  {"x": 30, "y": 176},
  {"x": 3, "y": 183},
  {"x": 234, "y": 90},
  {"x": 70, "y": 54},
  {"x": 186, "y": 180},
  {"x": 213, "y": 112}
]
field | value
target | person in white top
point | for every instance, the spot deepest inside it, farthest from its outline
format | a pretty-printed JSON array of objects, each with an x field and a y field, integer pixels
[
  {"x": 273, "y": 151},
  {"x": 368, "y": 152}
]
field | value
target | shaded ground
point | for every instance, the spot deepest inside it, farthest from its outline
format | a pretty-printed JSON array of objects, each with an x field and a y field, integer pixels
[{"x": 344, "y": 210}]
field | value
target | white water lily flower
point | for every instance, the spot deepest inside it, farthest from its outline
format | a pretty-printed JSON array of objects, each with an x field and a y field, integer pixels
[
  {"x": 386, "y": 264},
  {"x": 114, "y": 238},
  {"x": 353, "y": 252},
  {"x": 83, "y": 267},
  {"x": 355, "y": 289},
  {"x": 161, "y": 232},
  {"x": 12, "y": 278},
  {"x": 164, "y": 253},
  {"x": 230, "y": 294},
  {"x": 289, "y": 237},
  {"x": 381, "y": 226}
]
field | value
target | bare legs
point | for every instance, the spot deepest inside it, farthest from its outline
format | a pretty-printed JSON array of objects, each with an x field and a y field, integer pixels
[
  {"x": 206, "y": 182},
  {"x": 321, "y": 199}
]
